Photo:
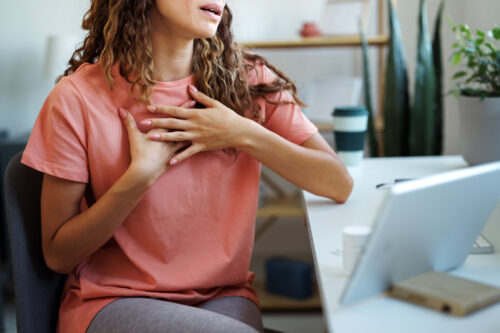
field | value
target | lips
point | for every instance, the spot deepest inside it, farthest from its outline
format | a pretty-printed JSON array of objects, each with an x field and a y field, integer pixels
[{"x": 213, "y": 8}]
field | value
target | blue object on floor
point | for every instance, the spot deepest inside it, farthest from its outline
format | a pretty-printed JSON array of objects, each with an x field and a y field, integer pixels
[{"x": 289, "y": 278}]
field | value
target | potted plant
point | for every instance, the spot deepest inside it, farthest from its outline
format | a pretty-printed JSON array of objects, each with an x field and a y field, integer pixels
[
  {"x": 410, "y": 127},
  {"x": 478, "y": 90}
]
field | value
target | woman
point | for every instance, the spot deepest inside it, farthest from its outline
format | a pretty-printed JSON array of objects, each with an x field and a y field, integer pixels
[{"x": 166, "y": 242}]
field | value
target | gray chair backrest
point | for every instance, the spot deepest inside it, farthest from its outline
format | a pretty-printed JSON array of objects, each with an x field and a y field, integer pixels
[{"x": 37, "y": 288}]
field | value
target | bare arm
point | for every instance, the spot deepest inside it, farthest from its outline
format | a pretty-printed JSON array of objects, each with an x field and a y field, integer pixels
[
  {"x": 69, "y": 236},
  {"x": 313, "y": 166}
]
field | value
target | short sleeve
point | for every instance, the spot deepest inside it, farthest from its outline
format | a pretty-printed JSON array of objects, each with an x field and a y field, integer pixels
[
  {"x": 58, "y": 142},
  {"x": 286, "y": 120}
]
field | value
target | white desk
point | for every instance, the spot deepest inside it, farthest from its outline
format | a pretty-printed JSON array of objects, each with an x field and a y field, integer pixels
[{"x": 326, "y": 219}]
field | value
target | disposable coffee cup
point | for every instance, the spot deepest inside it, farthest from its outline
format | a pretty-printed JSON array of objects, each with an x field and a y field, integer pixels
[
  {"x": 349, "y": 130},
  {"x": 353, "y": 242}
]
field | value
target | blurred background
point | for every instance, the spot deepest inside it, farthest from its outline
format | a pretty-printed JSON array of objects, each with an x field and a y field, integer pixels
[{"x": 36, "y": 35}]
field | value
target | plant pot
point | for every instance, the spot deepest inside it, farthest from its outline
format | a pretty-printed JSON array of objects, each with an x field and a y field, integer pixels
[{"x": 480, "y": 129}]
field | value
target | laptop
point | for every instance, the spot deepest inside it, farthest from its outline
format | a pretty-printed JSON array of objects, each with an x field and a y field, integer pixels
[{"x": 422, "y": 225}]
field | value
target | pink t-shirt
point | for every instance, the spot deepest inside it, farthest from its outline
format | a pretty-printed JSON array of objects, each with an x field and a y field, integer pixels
[{"x": 190, "y": 238}]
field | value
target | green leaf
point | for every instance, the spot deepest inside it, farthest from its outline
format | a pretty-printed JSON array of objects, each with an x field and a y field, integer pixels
[
  {"x": 396, "y": 96},
  {"x": 496, "y": 33},
  {"x": 472, "y": 78},
  {"x": 438, "y": 65},
  {"x": 459, "y": 75},
  {"x": 457, "y": 58},
  {"x": 491, "y": 47},
  {"x": 492, "y": 57},
  {"x": 451, "y": 23},
  {"x": 471, "y": 62},
  {"x": 422, "y": 114},
  {"x": 372, "y": 138},
  {"x": 480, "y": 34},
  {"x": 464, "y": 28}
]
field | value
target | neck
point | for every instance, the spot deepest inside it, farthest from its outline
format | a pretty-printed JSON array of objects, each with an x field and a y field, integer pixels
[
  {"x": 172, "y": 59},
  {"x": 172, "y": 52}
]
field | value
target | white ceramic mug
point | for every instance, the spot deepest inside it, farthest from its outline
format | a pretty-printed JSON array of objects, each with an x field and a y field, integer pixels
[{"x": 353, "y": 241}]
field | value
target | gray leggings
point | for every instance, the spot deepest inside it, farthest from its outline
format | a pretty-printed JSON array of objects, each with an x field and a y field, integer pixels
[{"x": 148, "y": 315}]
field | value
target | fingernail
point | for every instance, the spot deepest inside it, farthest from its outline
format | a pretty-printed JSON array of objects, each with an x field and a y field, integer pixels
[
  {"x": 174, "y": 161},
  {"x": 122, "y": 113},
  {"x": 192, "y": 104},
  {"x": 146, "y": 122},
  {"x": 193, "y": 88},
  {"x": 152, "y": 108},
  {"x": 155, "y": 136}
]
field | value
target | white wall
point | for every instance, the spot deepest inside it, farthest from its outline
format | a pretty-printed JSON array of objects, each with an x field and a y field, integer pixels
[{"x": 24, "y": 28}]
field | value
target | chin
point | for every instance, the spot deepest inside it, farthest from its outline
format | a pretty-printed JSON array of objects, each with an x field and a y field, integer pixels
[
  {"x": 203, "y": 36},
  {"x": 207, "y": 32}
]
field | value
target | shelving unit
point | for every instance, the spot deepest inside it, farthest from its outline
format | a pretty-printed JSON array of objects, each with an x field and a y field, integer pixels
[
  {"x": 279, "y": 205},
  {"x": 289, "y": 206},
  {"x": 286, "y": 206},
  {"x": 380, "y": 40},
  {"x": 323, "y": 41},
  {"x": 328, "y": 41},
  {"x": 283, "y": 205},
  {"x": 272, "y": 302}
]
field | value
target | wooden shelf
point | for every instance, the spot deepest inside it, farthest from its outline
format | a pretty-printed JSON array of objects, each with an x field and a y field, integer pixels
[
  {"x": 323, "y": 41},
  {"x": 273, "y": 302},
  {"x": 328, "y": 127},
  {"x": 324, "y": 126},
  {"x": 282, "y": 207}
]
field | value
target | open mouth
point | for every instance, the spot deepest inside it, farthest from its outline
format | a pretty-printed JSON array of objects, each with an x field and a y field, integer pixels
[{"x": 212, "y": 8}]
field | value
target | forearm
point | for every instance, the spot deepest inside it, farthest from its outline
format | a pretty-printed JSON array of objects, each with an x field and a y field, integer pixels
[
  {"x": 83, "y": 234},
  {"x": 316, "y": 171}
]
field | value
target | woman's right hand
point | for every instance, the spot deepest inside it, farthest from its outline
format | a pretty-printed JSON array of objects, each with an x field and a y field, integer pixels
[
  {"x": 149, "y": 158},
  {"x": 70, "y": 235}
]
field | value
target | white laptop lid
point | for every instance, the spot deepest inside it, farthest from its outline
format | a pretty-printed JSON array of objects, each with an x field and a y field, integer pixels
[{"x": 422, "y": 225}]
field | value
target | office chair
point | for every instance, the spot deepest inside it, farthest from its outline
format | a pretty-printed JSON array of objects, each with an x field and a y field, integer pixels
[{"x": 37, "y": 288}]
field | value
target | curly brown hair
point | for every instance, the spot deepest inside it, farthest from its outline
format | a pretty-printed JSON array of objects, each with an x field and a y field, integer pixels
[{"x": 119, "y": 31}]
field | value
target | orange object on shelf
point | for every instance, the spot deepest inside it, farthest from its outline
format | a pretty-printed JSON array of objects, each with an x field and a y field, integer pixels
[{"x": 309, "y": 29}]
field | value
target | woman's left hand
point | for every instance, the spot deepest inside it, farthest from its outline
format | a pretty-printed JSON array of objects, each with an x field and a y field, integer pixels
[{"x": 214, "y": 128}]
